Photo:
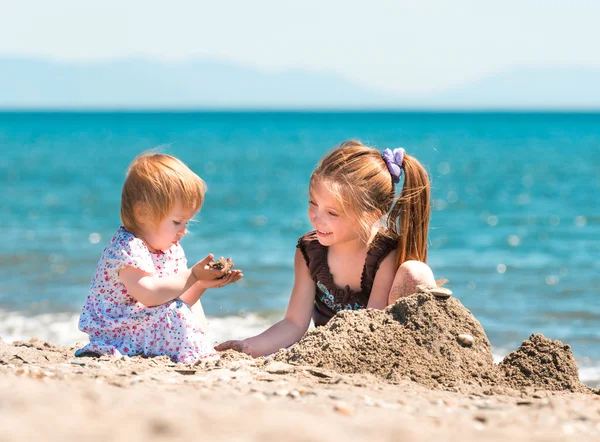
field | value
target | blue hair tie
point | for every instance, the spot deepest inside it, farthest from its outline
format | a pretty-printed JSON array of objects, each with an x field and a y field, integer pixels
[{"x": 394, "y": 161}]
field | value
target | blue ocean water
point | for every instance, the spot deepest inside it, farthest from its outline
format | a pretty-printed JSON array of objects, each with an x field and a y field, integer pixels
[{"x": 515, "y": 220}]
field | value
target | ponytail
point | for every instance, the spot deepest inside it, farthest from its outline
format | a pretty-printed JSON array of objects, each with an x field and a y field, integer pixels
[{"x": 409, "y": 217}]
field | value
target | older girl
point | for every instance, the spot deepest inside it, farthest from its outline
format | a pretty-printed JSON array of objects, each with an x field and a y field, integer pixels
[{"x": 367, "y": 249}]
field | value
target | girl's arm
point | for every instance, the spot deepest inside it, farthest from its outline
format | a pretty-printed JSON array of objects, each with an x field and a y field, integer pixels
[
  {"x": 193, "y": 293},
  {"x": 292, "y": 327},
  {"x": 152, "y": 291},
  {"x": 383, "y": 282}
]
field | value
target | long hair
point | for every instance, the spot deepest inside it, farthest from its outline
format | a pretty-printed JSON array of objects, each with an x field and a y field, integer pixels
[
  {"x": 409, "y": 217},
  {"x": 359, "y": 179}
]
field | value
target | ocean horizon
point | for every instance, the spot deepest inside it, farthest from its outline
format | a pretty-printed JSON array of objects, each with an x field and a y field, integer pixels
[{"x": 515, "y": 226}]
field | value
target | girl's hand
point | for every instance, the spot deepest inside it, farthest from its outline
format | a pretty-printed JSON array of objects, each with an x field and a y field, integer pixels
[
  {"x": 203, "y": 272},
  {"x": 241, "y": 346},
  {"x": 229, "y": 278}
]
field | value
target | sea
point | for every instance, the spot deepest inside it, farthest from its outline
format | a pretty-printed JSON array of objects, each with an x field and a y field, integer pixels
[{"x": 515, "y": 225}]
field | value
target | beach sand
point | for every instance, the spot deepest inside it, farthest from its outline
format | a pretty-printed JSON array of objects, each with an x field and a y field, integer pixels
[{"x": 398, "y": 374}]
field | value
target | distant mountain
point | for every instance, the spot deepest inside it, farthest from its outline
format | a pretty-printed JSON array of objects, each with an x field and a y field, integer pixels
[
  {"x": 141, "y": 83},
  {"x": 553, "y": 87},
  {"x": 205, "y": 84}
]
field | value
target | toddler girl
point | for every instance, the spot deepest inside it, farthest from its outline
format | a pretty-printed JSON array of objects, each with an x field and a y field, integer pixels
[{"x": 140, "y": 297}]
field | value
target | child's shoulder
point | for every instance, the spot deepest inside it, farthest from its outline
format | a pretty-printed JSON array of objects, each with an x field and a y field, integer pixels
[
  {"x": 122, "y": 235},
  {"x": 310, "y": 247},
  {"x": 383, "y": 243},
  {"x": 127, "y": 241},
  {"x": 125, "y": 249},
  {"x": 122, "y": 232},
  {"x": 308, "y": 237}
]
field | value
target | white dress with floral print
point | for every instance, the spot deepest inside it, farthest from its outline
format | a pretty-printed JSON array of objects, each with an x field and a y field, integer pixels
[{"x": 119, "y": 325}]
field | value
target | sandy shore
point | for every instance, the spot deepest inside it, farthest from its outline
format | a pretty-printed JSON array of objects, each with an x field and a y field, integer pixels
[
  {"x": 421, "y": 369},
  {"x": 47, "y": 394}
]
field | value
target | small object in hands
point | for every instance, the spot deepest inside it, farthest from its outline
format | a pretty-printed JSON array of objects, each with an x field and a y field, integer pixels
[{"x": 221, "y": 264}]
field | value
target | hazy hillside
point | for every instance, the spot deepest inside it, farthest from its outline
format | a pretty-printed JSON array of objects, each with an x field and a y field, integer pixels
[
  {"x": 145, "y": 83},
  {"x": 141, "y": 83},
  {"x": 527, "y": 87}
]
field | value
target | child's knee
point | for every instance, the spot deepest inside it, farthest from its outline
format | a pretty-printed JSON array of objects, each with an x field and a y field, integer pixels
[
  {"x": 408, "y": 276},
  {"x": 415, "y": 272}
]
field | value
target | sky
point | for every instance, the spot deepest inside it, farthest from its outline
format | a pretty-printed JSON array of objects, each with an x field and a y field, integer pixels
[{"x": 389, "y": 46}]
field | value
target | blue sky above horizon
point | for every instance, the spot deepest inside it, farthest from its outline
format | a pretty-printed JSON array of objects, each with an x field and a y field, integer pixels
[{"x": 399, "y": 47}]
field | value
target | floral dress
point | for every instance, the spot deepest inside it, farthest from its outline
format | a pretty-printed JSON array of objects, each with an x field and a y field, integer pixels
[{"x": 119, "y": 325}]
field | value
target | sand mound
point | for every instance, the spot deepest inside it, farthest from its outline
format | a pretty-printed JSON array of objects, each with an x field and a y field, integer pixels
[
  {"x": 32, "y": 352},
  {"x": 416, "y": 338},
  {"x": 542, "y": 363}
]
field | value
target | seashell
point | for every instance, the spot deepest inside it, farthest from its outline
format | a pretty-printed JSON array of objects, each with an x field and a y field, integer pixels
[
  {"x": 465, "y": 340},
  {"x": 440, "y": 292}
]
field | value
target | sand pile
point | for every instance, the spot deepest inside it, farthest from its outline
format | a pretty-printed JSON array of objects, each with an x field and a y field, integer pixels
[
  {"x": 542, "y": 363},
  {"x": 435, "y": 342},
  {"x": 417, "y": 338}
]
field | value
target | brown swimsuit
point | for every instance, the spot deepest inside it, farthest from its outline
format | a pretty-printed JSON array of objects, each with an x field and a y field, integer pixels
[{"x": 330, "y": 298}]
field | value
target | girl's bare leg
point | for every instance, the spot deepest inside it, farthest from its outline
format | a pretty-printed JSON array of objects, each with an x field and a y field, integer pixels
[{"x": 408, "y": 277}]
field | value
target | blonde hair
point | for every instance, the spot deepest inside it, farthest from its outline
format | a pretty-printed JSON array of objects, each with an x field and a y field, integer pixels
[
  {"x": 358, "y": 177},
  {"x": 158, "y": 181}
]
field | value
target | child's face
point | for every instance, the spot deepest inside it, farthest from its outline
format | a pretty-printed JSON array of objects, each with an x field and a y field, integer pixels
[
  {"x": 167, "y": 232},
  {"x": 327, "y": 216}
]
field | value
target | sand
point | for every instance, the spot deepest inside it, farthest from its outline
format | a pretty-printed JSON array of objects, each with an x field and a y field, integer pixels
[
  {"x": 398, "y": 374},
  {"x": 422, "y": 338},
  {"x": 416, "y": 338}
]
